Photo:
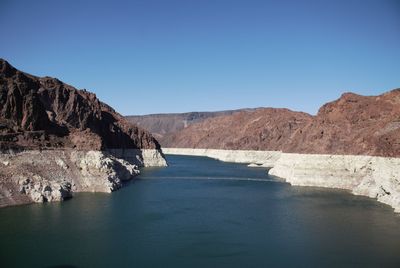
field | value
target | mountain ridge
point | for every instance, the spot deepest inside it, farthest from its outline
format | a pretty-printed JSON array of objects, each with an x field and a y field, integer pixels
[
  {"x": 164, "y": 124},
  {"x": 43, "y": 112},
  {"x": 352, "y": 124}
]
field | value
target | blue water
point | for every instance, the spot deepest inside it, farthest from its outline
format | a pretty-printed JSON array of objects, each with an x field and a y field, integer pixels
[{"x": 200, "y": 212}]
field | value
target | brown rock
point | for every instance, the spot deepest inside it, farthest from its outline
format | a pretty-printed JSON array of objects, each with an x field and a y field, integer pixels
[
  {"x": 161, "y": 125},
  {"x": 353, "y": 124},
  {"x": 261, "y": 129},
  {"x": 43, "y": 112}
]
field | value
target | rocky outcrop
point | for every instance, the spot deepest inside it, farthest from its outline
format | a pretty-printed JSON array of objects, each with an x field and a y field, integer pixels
[
  {"x": 142, "y": 157},
  {"x": 43, "y": 112},
  {"x": 56, "y": 140},
  {"x": 53, "y": 175},
  {"x": 41, "y": 190}
]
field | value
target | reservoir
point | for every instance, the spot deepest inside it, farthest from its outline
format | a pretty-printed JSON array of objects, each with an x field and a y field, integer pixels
[{"x": 200, "y": 212}]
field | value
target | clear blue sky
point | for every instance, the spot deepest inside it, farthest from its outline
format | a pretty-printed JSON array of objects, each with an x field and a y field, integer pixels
[{"x": 153, "y": 56}]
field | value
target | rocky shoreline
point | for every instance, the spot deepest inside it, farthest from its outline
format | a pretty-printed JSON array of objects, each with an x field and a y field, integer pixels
[
  {"x": 56, "y": 140},
  {"x": 29, "y": 176},
  {"x": 372, "y": 176}
]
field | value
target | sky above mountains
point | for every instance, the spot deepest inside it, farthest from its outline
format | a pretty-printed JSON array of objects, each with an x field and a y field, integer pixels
[{"x": 157, "y": 56}]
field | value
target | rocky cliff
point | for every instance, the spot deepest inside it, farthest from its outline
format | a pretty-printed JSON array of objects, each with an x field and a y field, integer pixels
[
  {"x": 352, "y": 125},
  {"x": 43, "y": 112},
  {"x": 56, "y": 140}
]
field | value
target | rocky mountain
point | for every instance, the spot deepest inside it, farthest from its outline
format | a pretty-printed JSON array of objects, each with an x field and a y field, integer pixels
[
  {"x": 56, "y": 140},
  {"x": 161, "y": 125},
  {"x": 43, "y": 112},
  {"x": 353, "y": 124},
  {"x": 262, "y": 129}
]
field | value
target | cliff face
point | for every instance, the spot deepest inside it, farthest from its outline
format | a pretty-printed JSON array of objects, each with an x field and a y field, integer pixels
[
  {"x": 352, "y": 125},
  {"x": 43, "y": 112}
]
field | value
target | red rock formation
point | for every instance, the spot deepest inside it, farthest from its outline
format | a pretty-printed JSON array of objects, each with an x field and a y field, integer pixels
[
  {"x": 261, "y": 129},
  {"x": 353, "y": 124},
  {"x": 43, "y": 112}
]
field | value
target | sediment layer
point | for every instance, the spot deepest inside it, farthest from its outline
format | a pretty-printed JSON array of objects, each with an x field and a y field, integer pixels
[{"x": 372, "y": 176}]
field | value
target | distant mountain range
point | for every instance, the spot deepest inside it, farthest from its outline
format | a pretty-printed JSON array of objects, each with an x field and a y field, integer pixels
[{"x": 161, "y": 125}]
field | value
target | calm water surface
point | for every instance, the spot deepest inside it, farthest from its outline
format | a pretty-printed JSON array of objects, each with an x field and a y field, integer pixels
[{"x": 200, "y": 212}]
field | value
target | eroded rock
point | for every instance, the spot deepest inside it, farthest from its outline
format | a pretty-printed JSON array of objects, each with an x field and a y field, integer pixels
[{"x": 44, "y": 190}]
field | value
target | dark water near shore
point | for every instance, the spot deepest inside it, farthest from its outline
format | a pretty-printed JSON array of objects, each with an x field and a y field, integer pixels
[{"x": 199, "y": 212}]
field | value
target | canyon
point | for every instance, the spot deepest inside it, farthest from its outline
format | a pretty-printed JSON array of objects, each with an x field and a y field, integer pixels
[
  {"x": 352, "y": 143},
  {"x": 56, "y": 140}
]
